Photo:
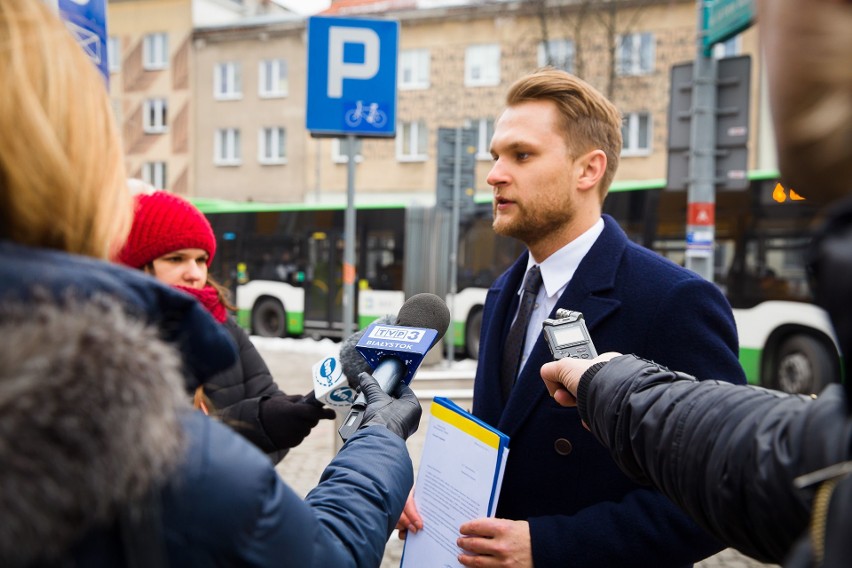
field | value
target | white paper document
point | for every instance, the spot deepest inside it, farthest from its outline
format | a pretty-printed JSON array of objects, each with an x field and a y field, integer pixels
[{"x": 458, "y": 480}]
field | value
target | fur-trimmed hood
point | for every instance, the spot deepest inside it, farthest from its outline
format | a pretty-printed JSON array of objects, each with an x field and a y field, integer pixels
[{"x": 89, "y": 404}]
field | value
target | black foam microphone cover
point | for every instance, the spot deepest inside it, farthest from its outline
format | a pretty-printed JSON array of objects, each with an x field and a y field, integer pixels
[
  {"x": 425, "y": 310},
  {"x": 351, "y": 361}
]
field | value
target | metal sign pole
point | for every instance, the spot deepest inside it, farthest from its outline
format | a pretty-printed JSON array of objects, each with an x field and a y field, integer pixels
[
  {"x": 454, "y": 244},
  {"x": 349, "y": 243},
  {"x": 701, "y": 191}
]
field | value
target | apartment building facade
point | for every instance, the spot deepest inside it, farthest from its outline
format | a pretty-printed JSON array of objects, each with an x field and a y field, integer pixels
[
  {"x": 247, "y": 86},
  {"x": 150, "y": 60},
  {"x": 150, "y": 86}
]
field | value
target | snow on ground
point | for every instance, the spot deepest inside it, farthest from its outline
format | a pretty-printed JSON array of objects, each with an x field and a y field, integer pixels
[{"x": 326, "y": 348}]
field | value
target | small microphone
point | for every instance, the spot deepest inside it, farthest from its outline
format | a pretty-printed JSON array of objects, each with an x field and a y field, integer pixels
[
  {"x": 336, "y": 379},
  {"x": 395, "y": 351},
  {"x": 331, "y": 388}
]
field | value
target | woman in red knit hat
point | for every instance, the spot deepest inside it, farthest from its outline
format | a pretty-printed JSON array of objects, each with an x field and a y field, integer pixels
[{"x": 174, "y": 242}]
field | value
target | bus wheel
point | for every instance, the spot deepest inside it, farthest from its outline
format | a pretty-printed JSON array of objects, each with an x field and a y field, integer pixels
[
  {"x": 471, "y": 334},
  {"x": 803, "y": 366},
  {"x": 268, "y": 319}
]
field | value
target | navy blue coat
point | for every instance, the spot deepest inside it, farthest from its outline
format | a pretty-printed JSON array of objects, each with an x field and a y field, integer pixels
[{"x": 582, "y": 510}]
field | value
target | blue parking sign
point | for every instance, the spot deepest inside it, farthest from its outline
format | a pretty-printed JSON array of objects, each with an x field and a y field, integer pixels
[
  {"x": 352, "y": 76},
  {"x": 86, "y": 20}
]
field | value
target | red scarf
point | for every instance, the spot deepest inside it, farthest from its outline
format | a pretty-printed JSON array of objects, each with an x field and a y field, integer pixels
[{"x": 209, "y": 298}]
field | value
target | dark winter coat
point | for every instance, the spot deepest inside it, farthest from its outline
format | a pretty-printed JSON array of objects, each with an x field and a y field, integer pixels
[
  {"x": 92, "y": 416},
  {"x": 731, "y": 453},
  {"x": 582, "y": 510},
  {"x": 237, "y": 392}
]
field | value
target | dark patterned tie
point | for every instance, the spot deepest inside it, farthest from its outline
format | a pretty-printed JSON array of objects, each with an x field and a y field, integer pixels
[{"x": 514, "y": 347}]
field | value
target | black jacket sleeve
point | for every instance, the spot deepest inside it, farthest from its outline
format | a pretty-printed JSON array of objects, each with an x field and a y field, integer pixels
[
  {"x": 726, "y": 454},
  {"x": 236, "y": 393}
]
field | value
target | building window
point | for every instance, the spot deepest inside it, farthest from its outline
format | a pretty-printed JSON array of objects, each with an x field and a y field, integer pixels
[
  {"x": 635, "y": 54},
  {"x": 636, "y": 132},
  {"x": 227, "y": 147},
  {"x": 339, "y": 150},
  {"x": 272, "y": 143},
  {"x": 484, "y": 128},
  {"x": 155, "y": 51},
  {"x": 114, "y": 54},
  {"x": 412, "y": 141},
  {"x": 155, "y": 116},
  {"x": 273, "y": 80},
  {"x": 414, "y": 69},
  {"x": 227, "y": 81},
  {"x": 154, "y": 173},
  {"x": 729, "y": 48},
  {"x": 558, "y": 53},
  {"x": 482, "y": 65}
]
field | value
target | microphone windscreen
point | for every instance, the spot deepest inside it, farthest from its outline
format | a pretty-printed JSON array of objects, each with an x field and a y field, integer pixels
[
  {"x": 352, "y": 362},
  {"x": 425, "y": 310}
]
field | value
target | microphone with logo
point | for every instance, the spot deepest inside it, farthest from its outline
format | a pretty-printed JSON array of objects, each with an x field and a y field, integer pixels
[
  {"x": 394, "y": 352},
  {"x": 336, "y": 379}
]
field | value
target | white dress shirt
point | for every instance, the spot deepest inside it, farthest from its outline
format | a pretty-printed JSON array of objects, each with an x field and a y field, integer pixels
[{"x": 556, "y": 272}]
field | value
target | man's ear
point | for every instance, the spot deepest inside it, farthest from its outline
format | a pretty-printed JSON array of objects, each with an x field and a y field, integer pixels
[{"x": 591, "y": 168}]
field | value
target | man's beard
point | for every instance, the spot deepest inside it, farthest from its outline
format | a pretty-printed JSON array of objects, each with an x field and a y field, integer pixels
[{"x": 532, "y": 228}]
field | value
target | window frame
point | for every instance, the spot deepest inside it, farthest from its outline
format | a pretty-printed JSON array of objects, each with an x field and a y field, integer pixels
[
  {"x": 567, "y": 50},
  {"x": 479, "y": 56},
  {"x": 267, "y": 157},
  {"x": 155, "y": 174},
  {"x": 631, "y": 122},
  {"x": 155, "y": 115},
  {"x": 414, "y": 134},
  {"x": 227, "y": 139},
  {"x": 634, "y": 65},
  {"x": 419, "y": 62},
  {"x": 484, "y": 128},
  {"x": 155, "y": 51},
  {"x": 114, "y": 54},
  {"x": 233, "y": 81},
  {"x": 277, "y": 67}
]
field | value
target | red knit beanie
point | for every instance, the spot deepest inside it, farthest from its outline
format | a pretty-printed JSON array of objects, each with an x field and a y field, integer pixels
[{"x": 162, "y": 223}]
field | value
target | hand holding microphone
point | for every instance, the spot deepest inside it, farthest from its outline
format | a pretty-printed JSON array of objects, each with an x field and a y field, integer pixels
[
  {"x": 336, "y": 378},
  {"x": 396, "y": 351},
  {"x": 287, "y": 420},
  {"x": 400, "y": 415}
]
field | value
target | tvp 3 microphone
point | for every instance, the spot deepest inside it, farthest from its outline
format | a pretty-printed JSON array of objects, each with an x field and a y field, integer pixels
[{"x": 396, "y": 351}]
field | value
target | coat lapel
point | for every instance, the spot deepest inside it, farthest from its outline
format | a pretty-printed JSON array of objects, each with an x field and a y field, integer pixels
[
  {"x": 585, "y": 293},
  {"x": 502, "y": 302}
]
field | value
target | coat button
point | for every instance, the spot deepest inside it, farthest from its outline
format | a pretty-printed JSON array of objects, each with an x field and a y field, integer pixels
[{"x": 563, "y": 447}]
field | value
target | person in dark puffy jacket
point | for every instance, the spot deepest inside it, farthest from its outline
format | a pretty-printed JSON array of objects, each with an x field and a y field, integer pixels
[
  {"x": 103, "y": 461},
  {"x": 766, "y": 472},
  {"x": 173, "y": 241}
]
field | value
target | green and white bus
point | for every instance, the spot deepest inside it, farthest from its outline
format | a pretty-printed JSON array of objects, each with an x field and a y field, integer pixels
[
  {"x": 284, "y": 262},
  {"x": 761, "y": 240}
]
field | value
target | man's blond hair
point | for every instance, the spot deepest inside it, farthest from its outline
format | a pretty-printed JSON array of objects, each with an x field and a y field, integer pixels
[
  {"x": 589, "y": 120},
  {"x": 62, "y": 176}
]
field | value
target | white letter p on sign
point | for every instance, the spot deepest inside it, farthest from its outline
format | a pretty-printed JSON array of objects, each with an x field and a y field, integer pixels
[{"x": 338, "y": 70}]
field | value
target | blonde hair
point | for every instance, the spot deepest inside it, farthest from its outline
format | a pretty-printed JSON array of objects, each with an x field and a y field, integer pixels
[
  {"x": 62, "y": 178},
  {"x": 589, "y": 120}
]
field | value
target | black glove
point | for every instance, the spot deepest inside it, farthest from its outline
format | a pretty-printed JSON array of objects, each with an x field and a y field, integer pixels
[
  {"x": 400, "y": 415},
  {"x": 287, "y": 421}
]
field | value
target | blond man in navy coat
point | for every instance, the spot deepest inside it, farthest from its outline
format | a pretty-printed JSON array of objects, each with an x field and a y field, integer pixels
[{"x": 555, "y": 149}]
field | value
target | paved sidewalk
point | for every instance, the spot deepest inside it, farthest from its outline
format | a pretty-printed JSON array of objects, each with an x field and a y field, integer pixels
[{"x": 291, "y": 362}]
